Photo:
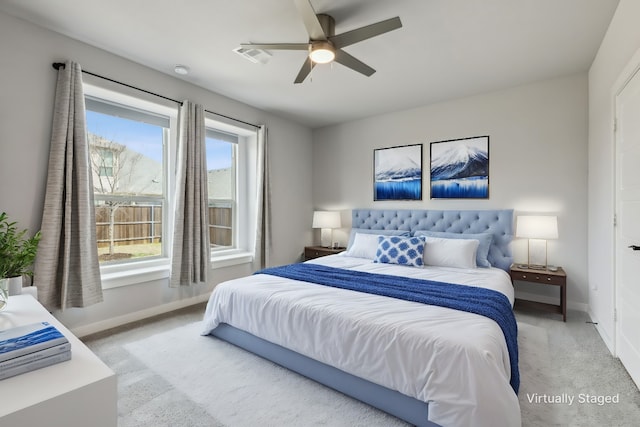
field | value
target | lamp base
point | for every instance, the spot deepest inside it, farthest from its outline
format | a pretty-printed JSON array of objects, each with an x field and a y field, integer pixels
[
  {"x": 537, "y": 254},
  {"x": 532, "y": 266},
  {"x": 326, "y": 235}
]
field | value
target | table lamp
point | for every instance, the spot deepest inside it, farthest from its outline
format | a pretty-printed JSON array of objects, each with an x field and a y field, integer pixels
[
  {"x": 326, "y": 221},
  {"x": 538, "y": 229}
]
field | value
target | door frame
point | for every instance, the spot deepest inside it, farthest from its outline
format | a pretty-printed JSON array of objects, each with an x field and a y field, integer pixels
[{"x": 628, "y": 72}]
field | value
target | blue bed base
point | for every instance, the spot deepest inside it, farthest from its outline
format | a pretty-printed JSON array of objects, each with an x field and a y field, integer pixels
[
  {"x": 413, "y": 411},
  {"x": 390, "y": 401}
]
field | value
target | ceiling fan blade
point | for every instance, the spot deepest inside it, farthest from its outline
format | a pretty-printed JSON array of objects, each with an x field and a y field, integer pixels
[
  {"x": 355, "y": 64},
  {"x": 363, "y": 33},
  {"x": 276, "y": 46},
  {"x": 305, "y": 70},
  {"x": 310, "y": 20}
]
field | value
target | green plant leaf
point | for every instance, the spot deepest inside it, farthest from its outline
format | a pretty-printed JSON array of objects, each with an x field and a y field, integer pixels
[{"x": 17, "y": 252}]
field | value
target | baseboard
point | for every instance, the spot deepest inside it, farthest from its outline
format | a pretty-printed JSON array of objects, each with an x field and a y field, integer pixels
[
  {"x": 606, "y": 338},
  {"x": 578, "y": 306},
  {"x": 92, "y": 328}
]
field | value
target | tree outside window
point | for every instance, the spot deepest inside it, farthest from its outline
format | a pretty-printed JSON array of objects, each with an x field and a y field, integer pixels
[{"x": 127, "y": 162}]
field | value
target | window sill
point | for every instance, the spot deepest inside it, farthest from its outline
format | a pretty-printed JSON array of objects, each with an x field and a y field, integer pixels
[
  {"x": 231, "y": 258},
  {"x": 134, "y": 275},
  {"x": 139, "y": 274}
]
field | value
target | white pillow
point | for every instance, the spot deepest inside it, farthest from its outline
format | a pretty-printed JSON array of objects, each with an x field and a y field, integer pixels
[
  {"x": 460, "y": 253},
  {"x": 363, "y": 246},
  {"x": 354, "y": 231}
]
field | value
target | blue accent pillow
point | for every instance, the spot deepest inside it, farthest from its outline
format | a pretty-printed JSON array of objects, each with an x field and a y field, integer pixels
[
  {"x": 485, "y": 239},
  {"x": 401, "y": 250}
]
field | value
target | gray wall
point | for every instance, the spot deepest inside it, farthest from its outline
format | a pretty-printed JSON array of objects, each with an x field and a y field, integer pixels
[
  {"x": 619, "y": 45},
  {"x": 27, "y": 87},
  {"x": 538, "y": 163}
]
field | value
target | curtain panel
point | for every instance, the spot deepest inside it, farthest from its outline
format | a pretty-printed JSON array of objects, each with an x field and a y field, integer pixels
[
  {"x": 263, "y": 202},
  {"x": 67, "y": 270},
  {"x": 191, "y": 254}
]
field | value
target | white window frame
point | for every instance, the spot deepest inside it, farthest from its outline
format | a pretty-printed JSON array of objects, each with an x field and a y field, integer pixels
[
  {"x": 155, "y": 268},
  {"x": 233, "y": 200},
  {"x": 158, "y": 268},
  {"x": 243, "y": 252}
]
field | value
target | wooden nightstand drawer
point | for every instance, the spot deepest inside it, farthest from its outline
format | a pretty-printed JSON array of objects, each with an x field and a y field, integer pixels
[
  {"x": 311, "y": 252},
  {"x": 542, "y": 277},
  {"x": 538, "y": 278}
]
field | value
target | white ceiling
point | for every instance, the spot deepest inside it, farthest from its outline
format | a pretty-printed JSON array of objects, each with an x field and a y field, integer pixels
[{"x": 446, "y": 48}]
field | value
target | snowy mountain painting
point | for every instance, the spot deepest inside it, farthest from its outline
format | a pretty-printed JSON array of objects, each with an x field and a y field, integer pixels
[
  {"x": 398, "y": 173},
  {"x": 460, "y": 168}
]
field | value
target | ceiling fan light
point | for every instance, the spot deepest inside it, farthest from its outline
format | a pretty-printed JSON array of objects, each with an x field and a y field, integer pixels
[{"x": 322, "y": 53}]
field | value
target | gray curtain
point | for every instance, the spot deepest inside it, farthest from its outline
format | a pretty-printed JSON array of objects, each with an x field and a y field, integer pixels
[
  {"x": 191, "y": 255},
  {"x": 67, "y": 271},
  {"x": 263, "y": 205}
]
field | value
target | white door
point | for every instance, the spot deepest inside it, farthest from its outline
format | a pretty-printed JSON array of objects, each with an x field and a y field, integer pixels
[{"x": 628, "y": 226}]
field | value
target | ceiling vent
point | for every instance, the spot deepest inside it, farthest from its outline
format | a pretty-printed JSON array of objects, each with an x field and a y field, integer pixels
[{"x": 257, "y": 56}]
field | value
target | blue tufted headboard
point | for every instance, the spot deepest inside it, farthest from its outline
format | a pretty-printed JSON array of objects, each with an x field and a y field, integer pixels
[{"x": 497, "y": 222}]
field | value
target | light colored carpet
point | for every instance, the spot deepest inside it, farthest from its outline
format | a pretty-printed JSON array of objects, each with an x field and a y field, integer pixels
[
  {"x": 535, "y": 379},
  {"x": 581, "y": 365},
  {"x": 237, "y": 389},
  {"x": 240, "y": 389},
  {"x": 577, "y": 362}
]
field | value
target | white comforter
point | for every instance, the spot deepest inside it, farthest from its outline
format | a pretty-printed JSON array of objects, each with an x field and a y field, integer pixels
[{"x": 456, "y": 361}]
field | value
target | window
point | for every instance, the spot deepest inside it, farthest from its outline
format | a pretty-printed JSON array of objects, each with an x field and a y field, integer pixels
[
  {"x": 230, "y": 151},
  {"x": 221, "y": 149},
  {"x": 132, "y": 144},
  {"x": 104, "y": 158},
  {"x": 128, "y": 157}
]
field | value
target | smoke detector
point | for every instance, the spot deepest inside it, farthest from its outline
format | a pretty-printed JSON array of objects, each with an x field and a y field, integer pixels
[
  {"x": 183, "y": 70},
  {"x": 257, "y": 56}
]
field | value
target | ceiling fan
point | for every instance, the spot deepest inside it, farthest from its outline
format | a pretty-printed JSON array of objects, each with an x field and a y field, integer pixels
[{"x": 324, "y": 45}]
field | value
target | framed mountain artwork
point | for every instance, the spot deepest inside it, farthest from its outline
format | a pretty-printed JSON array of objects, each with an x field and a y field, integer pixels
[
  {"x": 460, "y": 168},
  {"x": 397, "y": 173}
]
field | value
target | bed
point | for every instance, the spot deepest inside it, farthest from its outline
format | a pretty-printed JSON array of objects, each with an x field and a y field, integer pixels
[{"x": 429, "y": 365}]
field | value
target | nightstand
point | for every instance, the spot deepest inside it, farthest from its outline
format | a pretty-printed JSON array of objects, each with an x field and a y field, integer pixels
[
  {"x": 542, "y": 277},
  {"x": 311, "y": 252}
]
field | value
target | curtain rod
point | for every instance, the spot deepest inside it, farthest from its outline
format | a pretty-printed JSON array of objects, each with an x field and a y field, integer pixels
[{"x": 58, "y": 65}]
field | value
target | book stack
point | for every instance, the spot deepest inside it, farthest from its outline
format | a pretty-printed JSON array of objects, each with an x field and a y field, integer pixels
[{"x": 29, "y": 347}]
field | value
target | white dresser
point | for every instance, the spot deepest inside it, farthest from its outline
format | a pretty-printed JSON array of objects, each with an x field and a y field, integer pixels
[{"x": 78, "y": 393}]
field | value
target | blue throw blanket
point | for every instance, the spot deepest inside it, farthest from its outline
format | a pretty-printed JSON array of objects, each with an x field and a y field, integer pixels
[{"x": 486, "y": 302}]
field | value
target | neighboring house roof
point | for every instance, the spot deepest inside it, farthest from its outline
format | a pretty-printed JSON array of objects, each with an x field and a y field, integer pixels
[
  {"x": 132, "y": 172},
  {"x": 137, "y": 174},
  {"x": 219, "y": 183}
]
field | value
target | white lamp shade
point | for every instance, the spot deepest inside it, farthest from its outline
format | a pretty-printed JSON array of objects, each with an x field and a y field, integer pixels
[
  {"x": 537, "y": 227},
  {"x": 326, "y": 219}
]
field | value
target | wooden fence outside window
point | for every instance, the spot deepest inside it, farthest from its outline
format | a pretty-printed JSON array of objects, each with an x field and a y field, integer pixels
[{"x": 140, "y": 224}]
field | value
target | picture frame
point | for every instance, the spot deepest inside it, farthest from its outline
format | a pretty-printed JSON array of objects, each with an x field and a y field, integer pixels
[
  {"x": 397, "y": 173},
  {"x": 460, "y": 168}
]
